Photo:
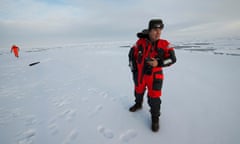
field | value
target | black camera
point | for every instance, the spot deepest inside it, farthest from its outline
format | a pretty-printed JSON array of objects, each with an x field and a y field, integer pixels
[{"x": 147, "y": 67}]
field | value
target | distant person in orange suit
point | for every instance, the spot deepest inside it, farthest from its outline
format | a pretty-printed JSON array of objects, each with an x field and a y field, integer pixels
[{"x": 15, "y": 50}]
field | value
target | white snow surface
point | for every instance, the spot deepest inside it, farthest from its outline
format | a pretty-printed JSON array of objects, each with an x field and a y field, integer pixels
[{"x": 80, "y": 94}]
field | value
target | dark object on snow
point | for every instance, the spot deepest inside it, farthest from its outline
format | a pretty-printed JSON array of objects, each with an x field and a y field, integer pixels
[{"x": 31, "y": 64}]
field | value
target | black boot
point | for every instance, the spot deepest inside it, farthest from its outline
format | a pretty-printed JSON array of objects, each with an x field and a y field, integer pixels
[
  {"x": 155, "y": 124},
  {"x": 155, "y": 105},
  {"x": 138, "y": 102},
  {"x": 135, "y": 107}
]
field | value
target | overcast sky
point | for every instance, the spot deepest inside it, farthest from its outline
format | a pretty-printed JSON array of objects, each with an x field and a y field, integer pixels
[{"x": 42, "y": 22}]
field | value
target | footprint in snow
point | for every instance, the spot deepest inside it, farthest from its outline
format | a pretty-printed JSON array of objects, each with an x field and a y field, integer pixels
[
  {"x": 113, "y": 99},
  {"x": 52, "y": 126},
  {"x": 71, "y": 137},
  {"x": 53, "y": 129},
  {"x": 96, "y": 110},
  {"x": 107, "y": 133},
  {"x": 60, "y": 104},
  {"x": 27, "y": 137},
  {"x": 68, "y": 114},
  {"x": 30, "y": 120},
  {"x": 93, "y": 90},
  {"x": 104, "y": 94},
  {"x": 128, "y": 135}
]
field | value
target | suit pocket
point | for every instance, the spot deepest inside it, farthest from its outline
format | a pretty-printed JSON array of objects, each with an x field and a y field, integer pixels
[{"x": 157, "y": 80}]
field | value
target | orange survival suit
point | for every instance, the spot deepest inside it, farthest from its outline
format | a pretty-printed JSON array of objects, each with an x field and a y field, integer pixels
[
  {"x": 146, "y": 76},
  {"x": 15, "y": 50},
  {"x": 143, "y": 74}
]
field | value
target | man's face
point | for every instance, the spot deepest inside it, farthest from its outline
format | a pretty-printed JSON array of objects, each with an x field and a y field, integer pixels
[{"x": 154, "y": 34}]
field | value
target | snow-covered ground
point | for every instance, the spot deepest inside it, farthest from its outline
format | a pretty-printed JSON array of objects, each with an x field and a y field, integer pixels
[{"x": 81, "y": 94}]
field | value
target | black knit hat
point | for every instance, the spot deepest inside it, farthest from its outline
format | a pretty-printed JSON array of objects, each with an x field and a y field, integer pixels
[{"x": 155, "y": 23}]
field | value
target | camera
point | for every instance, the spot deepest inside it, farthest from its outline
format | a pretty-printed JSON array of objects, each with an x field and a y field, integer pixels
[{"x": 147, "y": 67}]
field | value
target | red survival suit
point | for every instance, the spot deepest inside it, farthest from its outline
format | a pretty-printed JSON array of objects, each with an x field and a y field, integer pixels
[
  {"x": 15, "y": 50},
  {"x": 143, "y": 74}
]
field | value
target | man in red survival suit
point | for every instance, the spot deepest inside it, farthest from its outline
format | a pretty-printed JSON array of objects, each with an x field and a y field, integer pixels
[
  {"x": 15, "y": 50},
  {"x": 146, "y": 59}
]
